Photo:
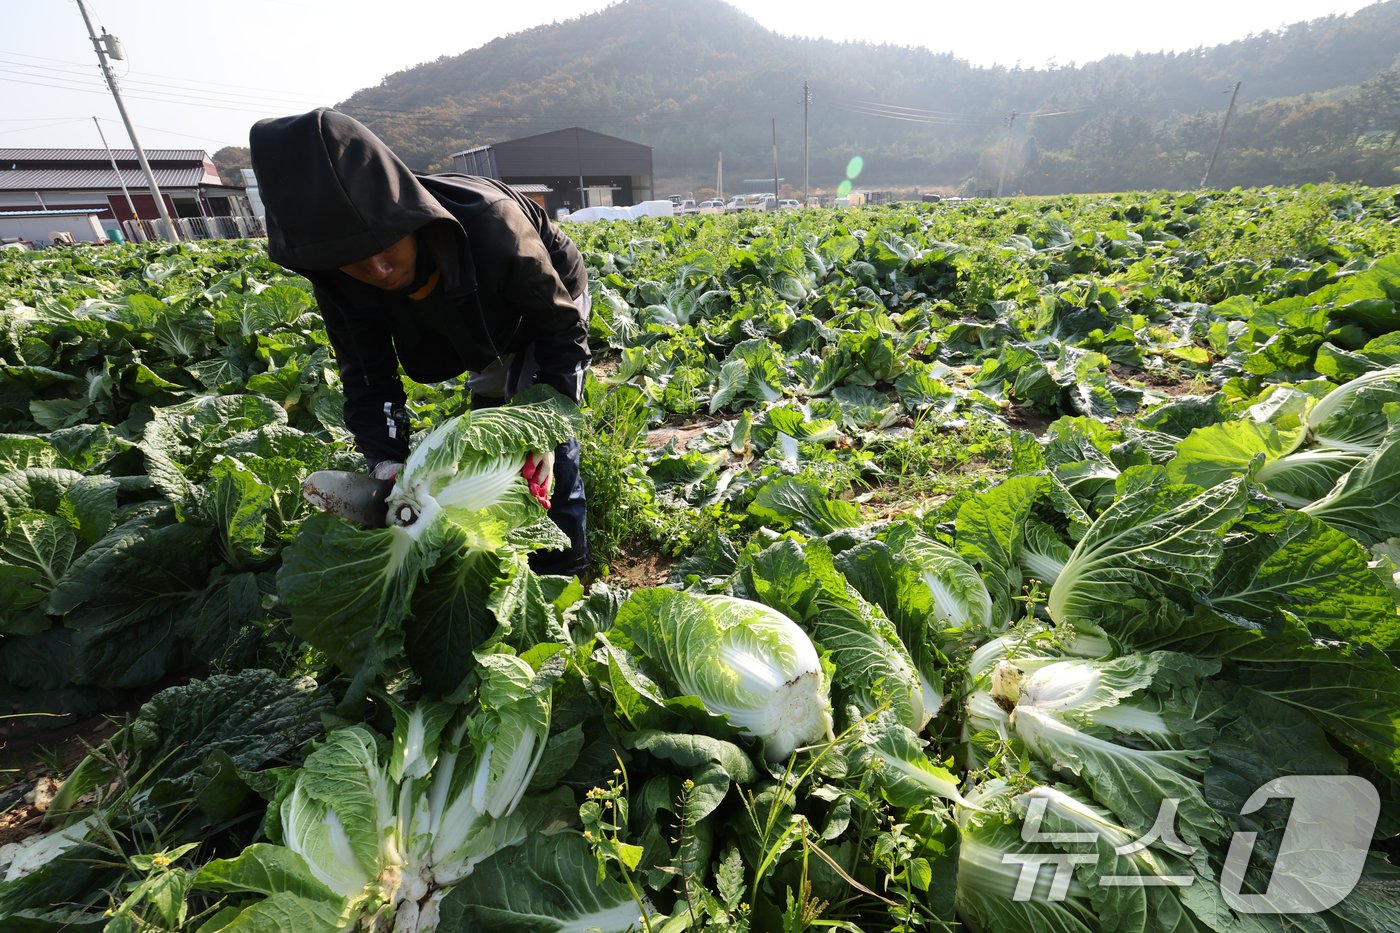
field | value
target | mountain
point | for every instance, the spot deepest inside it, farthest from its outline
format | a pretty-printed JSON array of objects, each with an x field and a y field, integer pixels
[{"x": 700, "y": 78}]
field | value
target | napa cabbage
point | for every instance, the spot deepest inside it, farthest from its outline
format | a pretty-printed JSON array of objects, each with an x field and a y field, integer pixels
[
  {"x": 459, "y": 498},
  {"x": 745, "y": 661},
  {"x": 1044, "y": 857},
  {"x": 873, "y": 667},
  {"x": 1119, "y": 725},
  {"x": 376, "y": 834}
]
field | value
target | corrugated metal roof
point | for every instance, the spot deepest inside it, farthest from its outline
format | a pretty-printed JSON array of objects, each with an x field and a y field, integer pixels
[
  {"x": 86, "y": 179},
  {"x": 54, "y": 213},
  {"x": 533, "y": 189},
  {"x": 559, "y": 152},
  {"x": 568, "y": 135},
  {"x": 571, "y": 152},
  {"x": 89, "y": 155}
]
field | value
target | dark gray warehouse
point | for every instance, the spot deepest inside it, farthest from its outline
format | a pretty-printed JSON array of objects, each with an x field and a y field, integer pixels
[{"x": 577, "y": 167}]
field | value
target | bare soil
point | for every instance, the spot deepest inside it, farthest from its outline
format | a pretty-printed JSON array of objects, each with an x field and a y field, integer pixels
[
  {"x": 635, "y": 569},
  {"x": 682, "y": 434},
  {"x": 1173, "y": 386},
  {"x": 1028, "y": 419},
  {"x": 32, "y": 769}
]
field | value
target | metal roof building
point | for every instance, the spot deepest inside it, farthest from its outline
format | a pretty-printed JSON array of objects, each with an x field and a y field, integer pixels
[
  {"x": 583, "y": 168},
  {"x": 66, "y": 179}
]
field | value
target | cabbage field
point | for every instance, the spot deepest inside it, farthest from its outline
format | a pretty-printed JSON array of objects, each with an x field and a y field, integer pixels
[{"x": 1007, "y": 565}]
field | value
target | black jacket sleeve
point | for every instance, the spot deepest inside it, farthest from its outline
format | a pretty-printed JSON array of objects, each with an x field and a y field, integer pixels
[
  {"x": 528, "y": 280},
  {"x": 554, "y": 322},
  {"x": 369, "y": 376}
]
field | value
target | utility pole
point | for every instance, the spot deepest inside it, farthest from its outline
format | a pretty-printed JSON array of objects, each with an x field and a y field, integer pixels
[
  {"x": 1006, "y": 155},
  {"x": 1221, "y": 138},
  {"x": 131, "y": 205},
  {"x": 108, "y": 47},
  {"x": 806, "y": 147},
  {"x": 775, "y": 162}
]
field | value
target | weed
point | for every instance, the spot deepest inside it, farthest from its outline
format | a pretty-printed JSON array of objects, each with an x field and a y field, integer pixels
[{"x": 620, "y": 494}]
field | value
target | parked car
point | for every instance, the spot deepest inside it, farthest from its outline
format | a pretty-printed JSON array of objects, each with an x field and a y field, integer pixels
[
  {"x": 737, "y": 203},
  {"x": 763, "y": 202},
  {"x": 712, "y": 204},
  {"x": 16, "y": 244},
  {"x": 789, "y": 204},
  {"x": 687, "y": 206}
]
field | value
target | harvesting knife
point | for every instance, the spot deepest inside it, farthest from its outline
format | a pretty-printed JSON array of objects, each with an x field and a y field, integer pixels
[{"x": 355, "y": 496}]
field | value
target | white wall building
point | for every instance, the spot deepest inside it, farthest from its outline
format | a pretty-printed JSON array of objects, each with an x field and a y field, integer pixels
[{"x": 69, "y": 179}]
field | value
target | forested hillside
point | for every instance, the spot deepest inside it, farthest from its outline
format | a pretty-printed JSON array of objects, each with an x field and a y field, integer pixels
[{"x": 698, "y": 79}]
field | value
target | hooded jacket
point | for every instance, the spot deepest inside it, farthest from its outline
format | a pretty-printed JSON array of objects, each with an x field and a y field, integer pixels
[{"x": 336, "y": 194}]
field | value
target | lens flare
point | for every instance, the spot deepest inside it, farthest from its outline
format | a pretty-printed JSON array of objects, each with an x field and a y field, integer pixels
[
  {"x": 854, "y": 167},
  {"x": 843, "y": 189}
]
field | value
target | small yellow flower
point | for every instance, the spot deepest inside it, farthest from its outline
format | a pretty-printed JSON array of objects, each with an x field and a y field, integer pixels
[{"x": 160, "y": 861}]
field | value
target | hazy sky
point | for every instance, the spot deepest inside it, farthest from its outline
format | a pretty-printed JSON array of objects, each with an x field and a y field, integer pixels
[{"x": 197, "y": 75}]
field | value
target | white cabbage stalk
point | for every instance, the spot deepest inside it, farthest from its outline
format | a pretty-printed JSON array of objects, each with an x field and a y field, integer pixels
[
  {"x": 988, "y": 654},
  {"x": 390, "y": 837},
  {"x": 986, "y": 834},
  {"x": 1337, "y": 400},
  {"x": 898, "y": 759},
  {"x": 479, "y": 484},
  {"x": 450, "y": 477},
  {"x": 1078, "y": 813},
  {"x": 1050, "y": 740},
  {"x": 1042, "y": 566},
  {"x": 984, "y": 714},
  {"x": 28, "y": 855},
  {"x": 1075, "y": 687},
  {"x": 1027, "y": 654},
  {"x": 932, "y": 698},
  {"x": 960, "y": 597},
  {"x": 982, "y": 869}
]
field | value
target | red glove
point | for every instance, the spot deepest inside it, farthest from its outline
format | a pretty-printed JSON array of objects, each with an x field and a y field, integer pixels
[{"x": 539, "y": 474}]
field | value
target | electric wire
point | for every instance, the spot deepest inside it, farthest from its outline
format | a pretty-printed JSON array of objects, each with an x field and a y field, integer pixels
[
  {"x": 274, "y": 93},
  {"x": 158, "y": 86}
]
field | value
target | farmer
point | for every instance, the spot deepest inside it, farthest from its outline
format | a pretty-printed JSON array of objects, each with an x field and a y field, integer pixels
[{"x": 442, "y": 274}]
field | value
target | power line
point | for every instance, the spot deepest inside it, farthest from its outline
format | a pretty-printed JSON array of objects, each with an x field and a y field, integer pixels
[
  {"x": 42, "y": 126},
  {"x": 1056, "y": 113},
  {"x": 185, "y": 78},
  {"x": 161, "y": 85},
  {"x": 159, "y": 100},
  {"x": 482, "y": 123},
  {"x": 912, "y": 110},
  {"x": 910, "y": 118},
  {"x": 159, "y": 129}
]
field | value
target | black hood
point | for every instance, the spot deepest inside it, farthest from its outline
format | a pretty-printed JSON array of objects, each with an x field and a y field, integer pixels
[{"x": 334, "y": 193}]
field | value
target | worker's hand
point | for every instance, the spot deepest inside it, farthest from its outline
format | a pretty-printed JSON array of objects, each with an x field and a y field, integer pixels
[
  {"x": 539, "y": 474},
  {"x": 387, "y": 469}
]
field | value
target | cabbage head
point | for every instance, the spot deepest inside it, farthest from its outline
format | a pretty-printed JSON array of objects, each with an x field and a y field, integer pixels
[{"x": 744, "y": 660}]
